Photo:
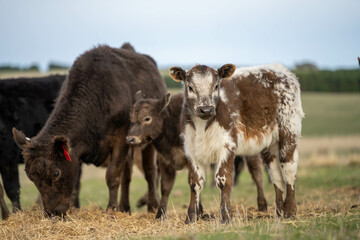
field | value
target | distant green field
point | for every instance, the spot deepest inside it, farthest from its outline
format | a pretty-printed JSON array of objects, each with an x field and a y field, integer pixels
[{"x": 331, "y": 114}]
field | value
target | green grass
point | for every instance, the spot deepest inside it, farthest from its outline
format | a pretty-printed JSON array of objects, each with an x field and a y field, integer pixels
[{"x": 330, "y": 114}]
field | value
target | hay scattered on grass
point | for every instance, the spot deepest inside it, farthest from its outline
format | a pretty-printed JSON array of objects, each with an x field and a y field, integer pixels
[{"x": 92, "y": 222}]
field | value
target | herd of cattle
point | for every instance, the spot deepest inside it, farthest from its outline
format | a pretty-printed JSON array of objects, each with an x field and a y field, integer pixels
[{"x": 114, "y": 102}]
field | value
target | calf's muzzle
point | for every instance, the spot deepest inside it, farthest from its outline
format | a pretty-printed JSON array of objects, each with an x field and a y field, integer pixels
[{"x": 206, "y": 112}]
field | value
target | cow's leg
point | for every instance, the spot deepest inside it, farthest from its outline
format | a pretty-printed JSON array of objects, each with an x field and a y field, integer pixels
[
  {"x": 4, "y": 210},
  {"x": 239, "y": 165},
  {"x": 113, "y": 173},
  {"x": 124, "y": 205},
  {"x": 11, "y": 183},
  {"x": 144, "y": 199},
  {"x": 255, "y": 168},
  {"x": 150, "y": 172},
  {"x": 167, "y": 174},
  {"x": 288, "y": 162},
  {"x": 224, "y": 182},
  {"x": 273, "y": 167},
  {"x": 196, "y": 181}
]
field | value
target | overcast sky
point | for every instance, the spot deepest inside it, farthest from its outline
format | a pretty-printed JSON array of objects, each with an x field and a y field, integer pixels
[{"x": 183, "y": 32}]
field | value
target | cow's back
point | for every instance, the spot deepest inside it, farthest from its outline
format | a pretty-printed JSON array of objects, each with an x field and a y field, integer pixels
[{"x": 25, "y": 104}]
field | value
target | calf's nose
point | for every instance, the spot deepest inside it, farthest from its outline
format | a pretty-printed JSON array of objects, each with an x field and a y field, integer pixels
[
  {"x": 130, "y": 140},
  {"x": 133, "y": 140},
  {"x": 206, "y": 112}
]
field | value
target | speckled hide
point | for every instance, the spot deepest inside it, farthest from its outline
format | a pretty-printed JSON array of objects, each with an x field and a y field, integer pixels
[{"x": 243, "y": 112}]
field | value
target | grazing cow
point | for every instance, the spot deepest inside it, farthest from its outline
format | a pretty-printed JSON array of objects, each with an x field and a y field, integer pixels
[
  {"x": 258, "y": 110},
  {"x": 158, "y": 121},
  {"x": 26, "y": 104},
  {"x": 89, "y": 123}
]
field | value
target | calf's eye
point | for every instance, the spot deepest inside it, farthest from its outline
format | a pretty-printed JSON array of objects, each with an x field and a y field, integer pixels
[
  {"x": 191, "y": 89},
  {"x": 56, "y": 173},
  {"x": 147, "y": 119},
  {"x": 216, "y": 87}
]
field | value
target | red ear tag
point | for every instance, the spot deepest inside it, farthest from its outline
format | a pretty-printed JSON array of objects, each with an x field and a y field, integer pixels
[{"x": 66, "y": 154}]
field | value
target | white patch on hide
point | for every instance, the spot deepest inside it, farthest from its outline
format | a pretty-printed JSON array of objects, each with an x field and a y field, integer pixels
[
  {"x": 204, "y": 89},
  {"x": 221, "y": 180},
  {"x": 256, "y": 144},
  {"x": 289, "y": 170},
  {"x": 210, "y": 146},
  {"x": 223, "y": 95},
  {"x": 276, "y": 176}
]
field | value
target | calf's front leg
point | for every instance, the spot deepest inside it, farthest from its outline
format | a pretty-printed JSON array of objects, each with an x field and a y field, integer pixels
[
  {"x": 150, "y": 172},
  {"x": 196, "y": 182},
  {"x": 168, "y": 174},
  {"x": 224, "y": 182}
]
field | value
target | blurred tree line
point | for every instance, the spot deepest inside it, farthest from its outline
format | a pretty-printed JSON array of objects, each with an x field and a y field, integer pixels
[
  {"x": 315, "y": 80},
  {"x": 10, "y": 68},
  {"x": 310, "y": 77}
]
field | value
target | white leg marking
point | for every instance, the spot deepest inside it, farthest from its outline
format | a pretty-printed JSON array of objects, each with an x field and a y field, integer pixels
[
  {"x": 289, "y": 170},
  {"x": 200, "y": 171},
  {"x": 276, "y": 176},
  {"x": 221, "y": 180}
]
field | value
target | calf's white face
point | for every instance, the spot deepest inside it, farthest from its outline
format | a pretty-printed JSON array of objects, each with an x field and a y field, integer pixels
[{"x": 202, "y": 87}]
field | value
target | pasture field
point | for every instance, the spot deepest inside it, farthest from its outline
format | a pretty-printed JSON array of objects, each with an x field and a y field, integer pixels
[
  {"x": 18, "y": 74},
  {"x": 327, "y": 193}
]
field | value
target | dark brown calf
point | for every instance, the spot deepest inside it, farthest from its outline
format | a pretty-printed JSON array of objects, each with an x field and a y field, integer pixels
[
  {"x": 89, "y": 123},
  {"x": 157, "y": 121},
  {"x": 258, "y": 110}
]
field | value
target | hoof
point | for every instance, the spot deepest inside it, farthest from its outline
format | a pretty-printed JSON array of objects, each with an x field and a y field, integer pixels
[
  {"x": 112, "y": 207},
  {"x": 226, "y": 220},
  {"x": 125, "y": 209},
  {"x": 262, "y": 207},
  {"x": 290, "y": 214},
  {"x": 190, "y": 218},
  {"x": 161, "y": 213}
]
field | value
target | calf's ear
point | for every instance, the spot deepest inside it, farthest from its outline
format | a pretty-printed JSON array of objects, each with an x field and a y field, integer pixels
[
  {"x": 20, "y": 138},
  {"x": 138, "y": 95},
  {"x": 226, "y": 71},
  {"x": 177, "y": 73},
  {"x": 164, "y": 102},
  {"x": 61, "y": 147}
]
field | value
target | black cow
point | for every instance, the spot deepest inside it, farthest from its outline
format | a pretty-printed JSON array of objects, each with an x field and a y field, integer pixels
[{"x": 26, "y": 104}]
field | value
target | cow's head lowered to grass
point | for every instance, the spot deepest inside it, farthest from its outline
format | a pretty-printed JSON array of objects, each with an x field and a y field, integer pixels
[
  {"x": 202, "y": 87},
  {"x": 52, "y": 169}
]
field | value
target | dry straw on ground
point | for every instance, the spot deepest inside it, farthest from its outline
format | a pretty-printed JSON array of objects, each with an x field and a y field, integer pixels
[{"x": 94, "y": 223}]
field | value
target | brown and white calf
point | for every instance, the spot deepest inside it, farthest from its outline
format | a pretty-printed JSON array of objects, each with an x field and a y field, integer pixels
[
  {"x": 158, "y": 121},
  {"x": 258, "y": 110}
]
